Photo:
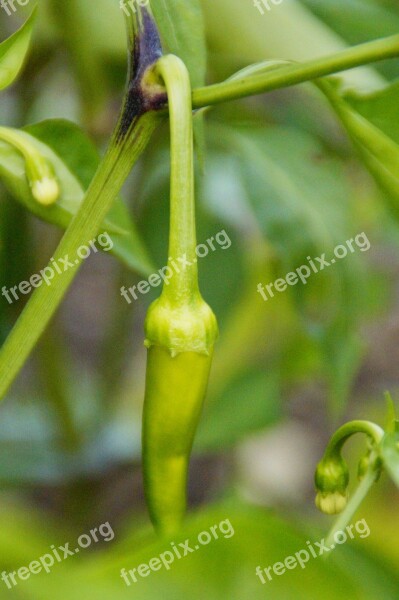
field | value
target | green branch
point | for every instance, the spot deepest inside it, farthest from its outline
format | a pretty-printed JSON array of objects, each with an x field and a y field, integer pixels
[
  {"x": 250, "y": 85},
  {"x": 105, "y": 186},
  {"x": 182, "y": 234},
  {"x": 131, "y": 135},
  {"x": 338, "y": 439}
]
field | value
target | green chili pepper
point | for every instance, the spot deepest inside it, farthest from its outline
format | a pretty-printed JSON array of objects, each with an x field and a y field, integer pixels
[{"x": 180, "y": 329}]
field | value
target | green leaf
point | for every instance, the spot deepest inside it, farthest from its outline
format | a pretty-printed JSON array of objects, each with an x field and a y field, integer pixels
[
  {"x": 372, "y": 124},
  {"x": 246, "y": 538},
  {"x": 390, "y": 455},
  {"x": 77, "y": 25},
  {"x": 271, "y": 174},
  {"x": 13, "y": 52},
  {"x": 181, "y": 25},
  {"x": 74, "y": 160},
  {"x": 360, "y": 21}
]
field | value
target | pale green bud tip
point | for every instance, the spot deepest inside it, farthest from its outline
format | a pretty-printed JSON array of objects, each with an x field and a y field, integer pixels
[
  {"x": 331, "y": 503},
  {"x": 46, "y": 191}
]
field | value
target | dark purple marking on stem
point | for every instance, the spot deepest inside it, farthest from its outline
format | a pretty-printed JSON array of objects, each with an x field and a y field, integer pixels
[{"x": 146, "y": 51}]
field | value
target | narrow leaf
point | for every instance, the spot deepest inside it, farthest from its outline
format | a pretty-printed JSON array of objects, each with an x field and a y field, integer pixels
[{"x": 13, "y": 51}]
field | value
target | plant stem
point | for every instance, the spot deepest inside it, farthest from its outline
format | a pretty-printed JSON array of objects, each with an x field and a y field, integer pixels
[
  {"x": 182, "y": 236},
  {"x": 355, "y": 501},
  {"x": 110, "y": 176},
  {"x": 136, "y": 123},
  {"x": 251, "y": 85},
  {"x": 339, "y": 438}
]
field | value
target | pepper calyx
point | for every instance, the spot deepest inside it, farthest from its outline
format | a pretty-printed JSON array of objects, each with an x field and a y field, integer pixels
[{"x": 188, "y": 327}]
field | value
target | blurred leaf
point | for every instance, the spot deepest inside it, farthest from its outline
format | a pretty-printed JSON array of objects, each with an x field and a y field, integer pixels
[
  {"x": 379, "y": 108},
  {"x": 390, "y": 455},
  {"x": 289, "y": 32},
  {"x": 22, "y": 535},
  {"x": 76, "y": 23},
  {"x": 360, "y": 21},
  {"x": 74, "y": 160},
  {"x": 247, "y": 538},
  {"x": 246, "y": 406},
  {"x": 182, "y": 28},
  {"x": 362, "y": 118},
  {"x": 13, "y": 51},
  {"x": 343, "y": 351},
  {"x": 277, "y": 168},
  {"x": 70, "y": 143}
]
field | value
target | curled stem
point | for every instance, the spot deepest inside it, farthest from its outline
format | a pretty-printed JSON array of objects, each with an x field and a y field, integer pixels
[{"x": 338, "y": 439}]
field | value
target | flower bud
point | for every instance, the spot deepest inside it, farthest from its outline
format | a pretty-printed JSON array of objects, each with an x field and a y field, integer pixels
[
  {"x": 332, "y": 479},
  {"x": 45, "y": 191},
  {"x": 39, "y": 171},
  {"x": 368, "y": 461},
  {"x": 363, "y": 466},
  {"x": 42, "y": 180}
]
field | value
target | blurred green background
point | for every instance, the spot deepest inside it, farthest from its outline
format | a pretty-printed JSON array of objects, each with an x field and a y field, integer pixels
[{"x": 280, "y": 176}]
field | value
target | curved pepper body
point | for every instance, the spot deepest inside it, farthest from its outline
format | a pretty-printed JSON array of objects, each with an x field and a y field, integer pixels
[{"x": 175, "y": 390}]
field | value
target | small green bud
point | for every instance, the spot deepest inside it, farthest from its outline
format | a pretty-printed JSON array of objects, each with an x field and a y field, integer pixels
[
  {"x": 332, "y": 479},
  {"x": 367, "y": 462},
  {"x": 363, "y": 466}
]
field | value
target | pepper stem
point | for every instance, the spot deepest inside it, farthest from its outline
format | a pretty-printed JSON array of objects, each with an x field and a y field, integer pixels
[
  {"x": 373, "y": 431},
  {"x": 360, "y": 494},
  {"x": 183, "y": 286}
]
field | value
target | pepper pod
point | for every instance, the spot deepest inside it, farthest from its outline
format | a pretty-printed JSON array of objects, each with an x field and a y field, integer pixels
[
  {"x": 180, "y": 346},
  {"x": 180, "y": 328}
]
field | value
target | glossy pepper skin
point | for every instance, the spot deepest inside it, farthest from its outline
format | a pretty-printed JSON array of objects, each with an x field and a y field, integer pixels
[
  {"x": 180, "y": 335},
  {"x": 169, "y": 428}
]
